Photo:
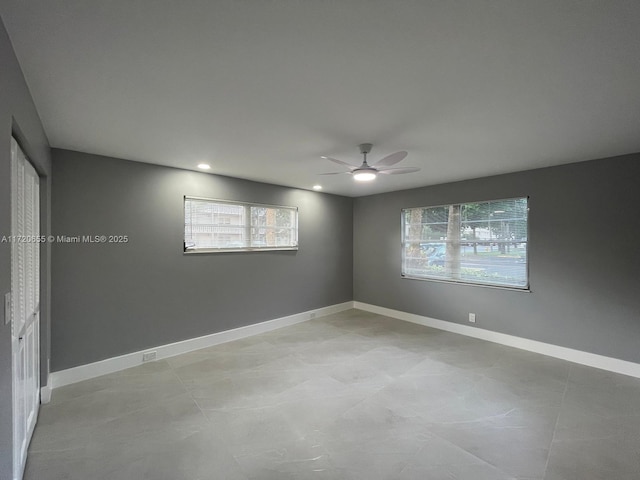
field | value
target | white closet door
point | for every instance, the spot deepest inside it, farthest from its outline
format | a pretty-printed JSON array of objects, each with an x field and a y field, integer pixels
[{"x": 25, "y": 304}]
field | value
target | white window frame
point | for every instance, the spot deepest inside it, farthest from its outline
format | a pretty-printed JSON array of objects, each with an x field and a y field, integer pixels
[
  {"x": 249, "y": 229},
  {"x": 494, "y": 241}
]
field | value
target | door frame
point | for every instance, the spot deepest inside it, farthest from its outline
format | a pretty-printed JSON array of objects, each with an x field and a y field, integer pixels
[{"x": 25, "y": 343}]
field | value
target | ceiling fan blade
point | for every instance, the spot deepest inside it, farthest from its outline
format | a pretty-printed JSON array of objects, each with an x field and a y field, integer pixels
[
  {"x": 333, "y": 173},
  {"x": 390, "y": 159},
  {"x": 397, "y": 171},
  {"x": 339, "y": 162}
]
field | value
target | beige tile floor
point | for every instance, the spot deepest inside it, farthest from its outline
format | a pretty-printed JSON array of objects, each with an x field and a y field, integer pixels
[{"x": 348, "y": 396}]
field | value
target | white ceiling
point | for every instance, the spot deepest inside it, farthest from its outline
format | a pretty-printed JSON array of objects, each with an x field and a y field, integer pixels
[{"x": 262, "y": 88}]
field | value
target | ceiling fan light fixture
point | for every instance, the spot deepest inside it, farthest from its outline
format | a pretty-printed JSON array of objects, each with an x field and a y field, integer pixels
[
  {"x": 366, "y": 172},
  {"x": 364, "y": 175}
]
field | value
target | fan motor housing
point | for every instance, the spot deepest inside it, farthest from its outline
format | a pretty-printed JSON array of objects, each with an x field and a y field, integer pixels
[{"x": 365, "y": 148}]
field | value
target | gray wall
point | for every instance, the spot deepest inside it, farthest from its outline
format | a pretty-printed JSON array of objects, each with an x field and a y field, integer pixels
[
  {"x": 18, "y": 116},
  {"x": 109, "y": 300},
  {"x": 584, "y": 257}
]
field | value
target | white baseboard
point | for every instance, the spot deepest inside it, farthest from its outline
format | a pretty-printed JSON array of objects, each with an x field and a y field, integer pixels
[
  {"x": 115, "y": 364},
  {"x": 577, "y": 356},
  {"x": 45, "y": 394}
]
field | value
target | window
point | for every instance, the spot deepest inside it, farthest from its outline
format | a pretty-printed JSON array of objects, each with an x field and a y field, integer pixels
[
  {"x": 481, "y": 243},
  {"x": 222, "y": 226}
]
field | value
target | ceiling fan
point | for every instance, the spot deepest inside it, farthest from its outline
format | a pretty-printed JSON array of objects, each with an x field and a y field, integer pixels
[{"x": 366, "y": 172}]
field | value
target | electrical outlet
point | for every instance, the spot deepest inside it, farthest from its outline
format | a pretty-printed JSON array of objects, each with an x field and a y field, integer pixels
[
  {"x": 149, "y": 356},
  {"x": 472, "y": 317},
  {"x": 312, "y": 315}
]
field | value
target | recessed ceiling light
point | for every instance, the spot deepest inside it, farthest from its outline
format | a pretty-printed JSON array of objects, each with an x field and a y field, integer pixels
[
  {"x": 317, "y": 187},
  {"x": 204, "y": 166}
]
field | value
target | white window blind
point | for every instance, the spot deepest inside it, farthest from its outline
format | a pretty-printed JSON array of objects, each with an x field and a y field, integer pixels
[
  {"x": 481, "y": 243},
  {"x": 223, "y": 226}
]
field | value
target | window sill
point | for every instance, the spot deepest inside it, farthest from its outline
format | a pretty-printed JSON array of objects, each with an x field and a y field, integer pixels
[
  {"x": 526, "y": 289},
  {"x": 239, "y": 250}
]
